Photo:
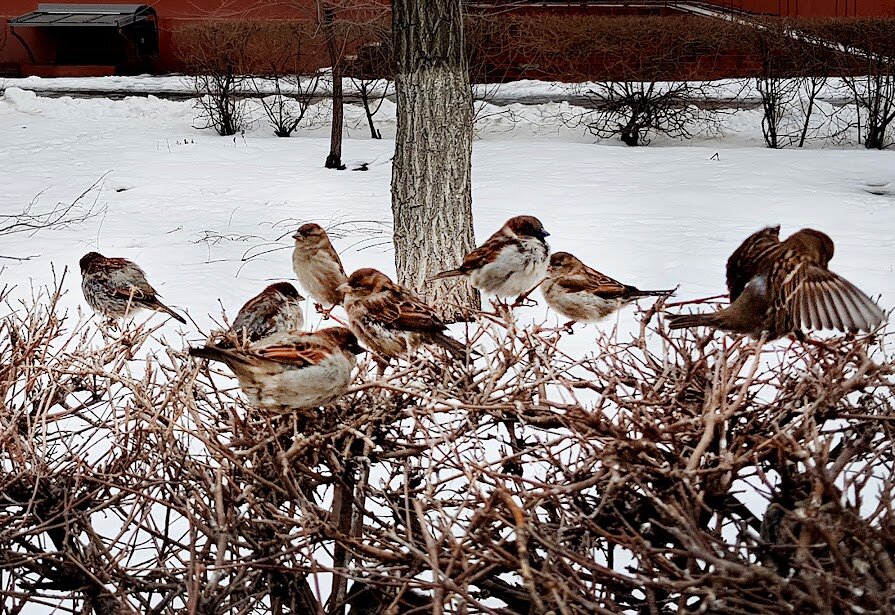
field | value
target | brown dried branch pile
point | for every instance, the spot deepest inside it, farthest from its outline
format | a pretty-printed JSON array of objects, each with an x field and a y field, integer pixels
[{"x": 632, "y": 480}]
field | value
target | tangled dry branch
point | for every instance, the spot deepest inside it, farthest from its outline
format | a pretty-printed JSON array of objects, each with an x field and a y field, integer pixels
[{"x": 657, "y": 474}]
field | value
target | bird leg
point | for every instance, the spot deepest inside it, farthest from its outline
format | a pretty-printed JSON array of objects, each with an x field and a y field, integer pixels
[
  {"x": 523, "y": 300},
  {"x": 327, "y": 313},
  {"x": 564, "y": 328},
  {"x": 322, "y": 310}
]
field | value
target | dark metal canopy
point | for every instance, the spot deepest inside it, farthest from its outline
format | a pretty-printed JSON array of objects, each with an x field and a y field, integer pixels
[{"x": 110, "y": 15}]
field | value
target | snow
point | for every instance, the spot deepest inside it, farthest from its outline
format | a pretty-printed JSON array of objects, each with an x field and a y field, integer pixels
[
  {"x": 191, "y": 206},
  {"x": 209, "y": 217}
]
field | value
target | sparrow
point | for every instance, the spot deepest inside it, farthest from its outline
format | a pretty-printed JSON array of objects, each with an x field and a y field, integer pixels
[
  {"x": 779, "y": 287},
  {"x": 389, "y": 319},
  {"x": 291, "y": 371},
  {"x": 582, "y": 294},
  {"x": 317, "y": 266},
  {"x": 115, "y": 287},
  {"x": 276, "y": 309},
  {"x": 511, "y": 262}
]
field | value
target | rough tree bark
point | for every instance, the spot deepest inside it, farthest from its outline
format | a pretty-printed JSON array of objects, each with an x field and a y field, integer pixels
[
  {"x": 334, "y": 159},
  {"x": 431, "y": 172}
]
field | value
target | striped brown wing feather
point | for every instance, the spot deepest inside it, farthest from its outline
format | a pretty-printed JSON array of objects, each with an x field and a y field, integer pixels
[
  {"x": 819, "y": 299},
  {"x": 483, "y": 255},
  {"x": 298, "y": 354},
  {"x": 595, "y": 283},
  {"x": 329, "y": 249},
  {"x": 404, "y": 312},
  {"x": 256, "y": 318},
  {"x": 751, "y": 258}
]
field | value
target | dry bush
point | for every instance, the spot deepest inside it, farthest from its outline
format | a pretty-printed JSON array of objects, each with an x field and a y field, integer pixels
[
  {"x": 635, "y": 479},
  {"x": 216, "y": 55},
  {"x": 285, "y": 71},
  {"x": 865, "y": 58},
  {"x": 641, "y": 65}
]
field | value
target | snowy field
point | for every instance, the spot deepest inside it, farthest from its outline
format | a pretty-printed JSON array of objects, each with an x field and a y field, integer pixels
[{"x": 209, "y": 217}]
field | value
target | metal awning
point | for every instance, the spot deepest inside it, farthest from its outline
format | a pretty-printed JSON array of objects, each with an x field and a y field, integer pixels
[{"x": 68, "y": 15}]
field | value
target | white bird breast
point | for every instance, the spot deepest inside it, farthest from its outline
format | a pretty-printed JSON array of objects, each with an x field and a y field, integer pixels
[
  {"x": 516, "y": 270},
  {"x": 306, "y": 387}
]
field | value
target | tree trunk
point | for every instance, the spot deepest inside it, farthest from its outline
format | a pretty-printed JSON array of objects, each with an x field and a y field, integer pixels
[
  {"x": 431, "y": 172},
  {"x": 334, "y": 159}
]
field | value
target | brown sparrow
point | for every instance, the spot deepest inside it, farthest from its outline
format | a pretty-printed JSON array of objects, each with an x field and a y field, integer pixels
[
  {"x": 115, "y": 287},
  {"x": 317, "y": 266},
  {"x": 276, "y": 309},
  {"x": 389, "y": 319},
  {"x": 291, "y": 370},
  {"x": 510, "y": 263},
  {"x": 779, "y": 288},
  {"x": 582, "y": 294}
]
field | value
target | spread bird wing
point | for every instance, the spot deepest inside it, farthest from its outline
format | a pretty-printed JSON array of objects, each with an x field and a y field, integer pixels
[
  {"x": 748, "y": 259},
  {"x": 818, "y": 298},
  {"x": 593, "y": 282}
]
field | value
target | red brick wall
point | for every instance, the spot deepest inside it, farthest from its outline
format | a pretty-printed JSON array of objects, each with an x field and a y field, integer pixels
[{"x": 172, "y": 14}]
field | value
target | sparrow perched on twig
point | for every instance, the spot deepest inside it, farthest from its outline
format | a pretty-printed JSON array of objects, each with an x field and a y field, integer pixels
[
  {"x": 582, "y": 294},
  {"x": 779, "y": 287},
  {"x": 318, "y": 267},
  {"x": 276, "y": 309},
  {"x": 389, "y": 319},
  {"x": 510, "y": 263},
  {"x": 116, "y": 286},
  {"x": 291, "y": 370}
]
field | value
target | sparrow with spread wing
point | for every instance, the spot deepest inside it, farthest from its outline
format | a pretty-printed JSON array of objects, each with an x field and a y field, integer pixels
[
  {"x": 318, "y": 267},
  {"x": 510, "y": 263},
  {"x": 276, "y": 309},
  {"x": 290, "y": 371},
  {"x": 115, "y": 287},
  {"x": 780, "y": 287},
  {"x": 389, "y": 319},
  {"x": 582, "y": 294}
]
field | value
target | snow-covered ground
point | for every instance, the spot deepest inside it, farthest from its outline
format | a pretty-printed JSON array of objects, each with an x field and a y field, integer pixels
[{"x": 209, "y": 217}]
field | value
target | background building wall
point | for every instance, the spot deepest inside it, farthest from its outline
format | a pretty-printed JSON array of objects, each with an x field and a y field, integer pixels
[{"x": 34, "y": 50}]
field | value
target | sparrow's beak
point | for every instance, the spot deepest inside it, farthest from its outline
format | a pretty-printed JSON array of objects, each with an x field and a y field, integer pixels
[
  {"x": 301, "y": 297},
  {"x": 295, "y": 235},
  {"x": 543, "y": 234},
  {"x": 343, "y": 288},
  {"x": 356, "y": 349}
]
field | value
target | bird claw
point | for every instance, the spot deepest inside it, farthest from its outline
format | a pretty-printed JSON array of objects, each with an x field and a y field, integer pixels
[
  {"x": 565, "y": 328},
  {"x": 523, "y": 301},
  {"x": 320, "y": 309}
]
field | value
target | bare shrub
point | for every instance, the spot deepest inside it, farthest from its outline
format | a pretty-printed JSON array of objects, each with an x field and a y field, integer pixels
[
  {"x": 865, "y": 60},
  {"x": 217, "y": 58},
  {"x": 287, "y": 77},
  {"x": 658, "y": 474},
  {"x": 371, "y": 69}
]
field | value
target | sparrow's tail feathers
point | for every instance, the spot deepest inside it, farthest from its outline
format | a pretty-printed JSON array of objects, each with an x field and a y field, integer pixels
[
  {"x": 456, "y": 348},
  {"x": 213, "y": 353},
  {"x": 158, "y": 306},
  {"x": 684, "y": 321},
  {"x": 450, "y": 273},
  {"x": 652, "y": 293}
]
